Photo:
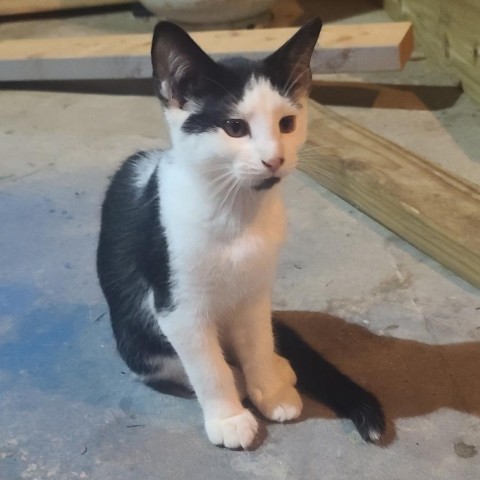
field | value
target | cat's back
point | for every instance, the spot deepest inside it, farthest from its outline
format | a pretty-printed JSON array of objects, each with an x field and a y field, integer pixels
[
  {"x": 132, "y": 192},
  {"x": 131, "y": 236}
]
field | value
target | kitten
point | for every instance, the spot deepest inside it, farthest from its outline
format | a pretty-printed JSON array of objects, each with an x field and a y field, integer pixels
[{"x": 190, "y": 236}]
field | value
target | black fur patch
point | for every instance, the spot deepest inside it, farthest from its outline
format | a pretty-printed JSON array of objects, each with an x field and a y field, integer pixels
[
  {"x": 132, "y": 260},
  {"x": 267, "y": 183},
  {"x": 221, "y": 93}
]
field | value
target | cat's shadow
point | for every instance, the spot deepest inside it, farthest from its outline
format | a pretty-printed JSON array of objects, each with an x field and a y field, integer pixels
[{"x": 410, "y": 378}]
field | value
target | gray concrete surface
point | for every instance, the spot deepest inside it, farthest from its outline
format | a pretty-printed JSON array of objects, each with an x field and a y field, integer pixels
[{"x": 389, "y": 316}]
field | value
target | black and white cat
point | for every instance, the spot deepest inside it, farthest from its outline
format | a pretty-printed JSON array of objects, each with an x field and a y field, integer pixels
[{"x": 190, "y": 236}]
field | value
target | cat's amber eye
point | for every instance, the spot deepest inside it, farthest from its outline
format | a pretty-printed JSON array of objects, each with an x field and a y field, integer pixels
[
  {"x": 287, "y": 124},
  {"x": 236, "y": 127}
]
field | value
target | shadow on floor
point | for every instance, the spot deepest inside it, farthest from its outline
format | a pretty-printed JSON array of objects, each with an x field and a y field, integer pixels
[
  {"x": 409, "y": 378},
  {"x": 123, "y": 86},
  {"x": 374, "y": 95},
  {"x": 367, "y": 95}
]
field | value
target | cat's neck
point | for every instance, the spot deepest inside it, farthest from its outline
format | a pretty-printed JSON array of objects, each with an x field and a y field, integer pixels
[
  {"x": 249, "y": 212},
  {"x": 236, "y": 210}
]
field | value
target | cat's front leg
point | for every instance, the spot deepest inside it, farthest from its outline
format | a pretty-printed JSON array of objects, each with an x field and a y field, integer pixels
[
  {"x": 269, "y": 378},
  {"x": 227, "y": 422}
]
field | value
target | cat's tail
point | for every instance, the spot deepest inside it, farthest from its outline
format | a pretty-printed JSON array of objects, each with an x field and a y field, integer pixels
[{"x": 320, "y": 379}]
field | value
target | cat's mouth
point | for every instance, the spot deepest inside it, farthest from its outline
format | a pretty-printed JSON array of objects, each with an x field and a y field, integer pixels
[{"x": 266, "y": 183}]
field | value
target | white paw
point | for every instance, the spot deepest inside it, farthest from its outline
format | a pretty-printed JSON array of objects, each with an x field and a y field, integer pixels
[
  {"x": 232, "y": 432},
  {"x": 280, "y": 405}
]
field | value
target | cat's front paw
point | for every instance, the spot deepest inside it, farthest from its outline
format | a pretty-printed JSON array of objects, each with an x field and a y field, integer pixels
[
  {"x": 279, "y": 405},
  {"x": 232, "y": 432}
]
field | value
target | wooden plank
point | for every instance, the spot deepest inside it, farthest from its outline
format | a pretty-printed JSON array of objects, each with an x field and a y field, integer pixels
[
  {"x": 449, "y": 33},
  {"x": 429, "y": 207},
  {"x": 342, "y": 48},
  {"x": 17, "y": 7}
]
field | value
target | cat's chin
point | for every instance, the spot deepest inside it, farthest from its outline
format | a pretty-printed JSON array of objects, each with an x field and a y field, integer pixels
[{"x": 266, "y": 183}]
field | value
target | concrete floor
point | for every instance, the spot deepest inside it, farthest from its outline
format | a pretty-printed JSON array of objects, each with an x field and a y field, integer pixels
[{"x": 389, "y": 316}]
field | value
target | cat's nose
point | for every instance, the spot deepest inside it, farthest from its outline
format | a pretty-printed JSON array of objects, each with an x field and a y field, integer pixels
[{"x": 274, "y": 164}]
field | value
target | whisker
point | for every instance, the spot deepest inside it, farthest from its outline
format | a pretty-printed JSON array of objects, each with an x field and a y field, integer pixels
[
  {"x": 291, "y": 74},
  {"x": 214, "y": 168},
  {"x": 292, "y": 84},
  {"x": 219, "y": 192},
  {"x": 318, "y": 151},
  {"x": 215, "y": 178},
  {"x": 316, "y": 171},
  {"x": 222, "y": 204},
  {"x": 224, "y": 184},
  {"x": 234, "y": 195},
  {"x": 287, "y": 87}
]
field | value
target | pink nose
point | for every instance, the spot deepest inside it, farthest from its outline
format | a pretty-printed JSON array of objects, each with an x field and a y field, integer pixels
[{"x": 274, "y": 164}]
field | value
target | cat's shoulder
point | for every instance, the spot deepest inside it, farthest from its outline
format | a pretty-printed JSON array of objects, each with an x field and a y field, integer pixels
[
  {"x": 138, "y": 168},
  {"x": 142, "y": 164}
]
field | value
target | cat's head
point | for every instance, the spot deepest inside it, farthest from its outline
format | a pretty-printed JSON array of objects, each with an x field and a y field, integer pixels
[{"x": 239, "y": 118}]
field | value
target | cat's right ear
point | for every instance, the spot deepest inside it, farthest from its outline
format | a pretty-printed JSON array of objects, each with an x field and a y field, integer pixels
[
  {"x": 179, "y": 65},
  {"x": 292, "y": 60}
]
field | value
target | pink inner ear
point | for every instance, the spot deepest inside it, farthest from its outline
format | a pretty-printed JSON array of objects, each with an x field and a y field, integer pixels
[
  {"x": 173, "y": 103},
  {"x": 175, "y": 56}
]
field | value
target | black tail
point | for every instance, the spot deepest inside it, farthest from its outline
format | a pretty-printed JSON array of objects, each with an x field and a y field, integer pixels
[{"x": 323, "y": 381}]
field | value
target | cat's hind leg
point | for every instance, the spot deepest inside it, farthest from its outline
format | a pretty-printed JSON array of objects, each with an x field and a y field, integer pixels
[
  {"x": 269, "y": 378},
  {"x": 148, "y": 353}
]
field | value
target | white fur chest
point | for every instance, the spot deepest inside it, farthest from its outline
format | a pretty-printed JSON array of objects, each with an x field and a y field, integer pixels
[{"x": 218, "y": 270}]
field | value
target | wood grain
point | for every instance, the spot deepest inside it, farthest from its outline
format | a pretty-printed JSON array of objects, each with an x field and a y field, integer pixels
[
  {"x": 432, "y": 209},
  {"x": 449, "y": 33},
  {"x": 342, "y": 48}
]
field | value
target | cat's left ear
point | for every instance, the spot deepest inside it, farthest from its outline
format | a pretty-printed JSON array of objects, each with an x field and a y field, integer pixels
[
  {"x": 180, "y": 67},
  {"x": 291, "y": 62}
]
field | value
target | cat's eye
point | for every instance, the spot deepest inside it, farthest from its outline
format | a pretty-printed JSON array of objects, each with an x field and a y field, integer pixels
[
  {"x": 287, "y": 124},
  {"x": 236, "y": 127}
]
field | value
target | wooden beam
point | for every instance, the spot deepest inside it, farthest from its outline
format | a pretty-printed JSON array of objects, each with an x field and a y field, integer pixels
[
  {"x": 448, "y": 31},
  {"x": 432, "y": 209},
  {"x": 18, "y": 7},
  {"x": 342, "y": 48}
]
